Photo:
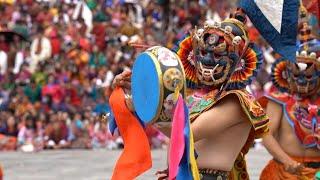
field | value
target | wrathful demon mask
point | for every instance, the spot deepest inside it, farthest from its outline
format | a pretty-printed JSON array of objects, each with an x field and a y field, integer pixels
[
  {"x": 303, "y": 76},
  {"x": 220, "y": 54}
]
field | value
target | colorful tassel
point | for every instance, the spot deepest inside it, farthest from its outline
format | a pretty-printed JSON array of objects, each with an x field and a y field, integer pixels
[
  {"x": 177, "y": 143},
  {"x": 182, "y": 162}
]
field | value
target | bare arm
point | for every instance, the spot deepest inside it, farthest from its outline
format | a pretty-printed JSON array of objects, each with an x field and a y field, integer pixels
[
  {"x": 225, "y": 114},
  {"x": 274, "y": 112}
]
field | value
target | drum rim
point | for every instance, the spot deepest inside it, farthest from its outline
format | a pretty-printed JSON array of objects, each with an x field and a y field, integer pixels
[
  {"x": 184, "y": 95},
  {"x": 160, "y": 78}
]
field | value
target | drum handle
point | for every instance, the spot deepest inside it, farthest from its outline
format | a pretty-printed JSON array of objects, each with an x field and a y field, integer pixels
[
  {"x": 127, "y": 96},
  {"x": 139, "y": 46}
]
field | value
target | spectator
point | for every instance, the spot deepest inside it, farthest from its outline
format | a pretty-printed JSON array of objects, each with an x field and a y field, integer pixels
[
  {"x": 24, "y": 76},
  {"x": 82, "y": 11},
  {"x": 4, "y": 46},
  {"x": 19, "y": 60},
  {"x": 39, "y": 133},
  {"x": 102, "y": 138},
  {"x": 79, "y": 135},
  {"x": 33, "y": 92},
  {"x": 4, "y": 98},
  {"x": 3, "y": 62},
  {"x": 56, "y": 134},
  {"x": 39, "y": 76},
  {"x": 55, "y": 41},
  {"x": 53, "y": 91},
  {"x": 40, "y": 49},
  {"x": 8, "y": 133},
  {"x": 44, "y": 16},
  {"x": 101, "y": 107},
  {"x": 97, "y": 58},
  {"x": 26, "y": 135},
  {"x": 99, "y": 30}
]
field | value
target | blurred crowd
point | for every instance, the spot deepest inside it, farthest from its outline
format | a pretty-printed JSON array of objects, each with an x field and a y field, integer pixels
[{"x": 58, "y": 59}]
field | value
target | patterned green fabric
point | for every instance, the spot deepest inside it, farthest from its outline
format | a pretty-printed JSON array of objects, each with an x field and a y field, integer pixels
[{"x": 250, "y": 106}]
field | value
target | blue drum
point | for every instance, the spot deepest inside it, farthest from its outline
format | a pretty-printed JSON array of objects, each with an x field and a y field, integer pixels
[{"x": 157, "y": 73}]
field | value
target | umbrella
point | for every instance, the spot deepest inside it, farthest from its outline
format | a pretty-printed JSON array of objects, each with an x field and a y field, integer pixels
[{"x": 9, "y": 35}]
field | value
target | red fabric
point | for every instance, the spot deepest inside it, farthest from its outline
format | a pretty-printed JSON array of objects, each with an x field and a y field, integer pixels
[
  {"x": 85, "y": 44},
  {"x": 100, "y": 34},
  {"x": 55, "y": 45},
  {"x": 23, "y": 75},
  {"x": 57, "y": 135},
  {"x": 4, "y": 46},
  {"x": 151, "y": 131},
  {"x": 253, "y": 34},
  {"x": 313, "y": 6},
  {"x": 44, "y": 17},
  {"x": 1, "y": 173},
  {"x": 72, "y": 31},
  {"x": 55, "y": 91},
  {"x": 74, "y": 98},
  {"x": 27, "y": 2},
  {"x": 182, "y": 14},
  {"x": 10, "y": 145},
  {"x": 136, "y": 157}
]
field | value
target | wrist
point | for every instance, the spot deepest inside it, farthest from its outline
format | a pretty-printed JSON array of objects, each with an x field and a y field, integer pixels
[{"x": 289, "y": 163}]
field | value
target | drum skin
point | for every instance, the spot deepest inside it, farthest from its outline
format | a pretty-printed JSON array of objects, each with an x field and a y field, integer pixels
[{"x": 156, "y": 74}]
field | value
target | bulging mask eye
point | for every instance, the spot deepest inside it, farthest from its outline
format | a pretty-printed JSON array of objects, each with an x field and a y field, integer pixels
[{"x": 211, "y": 39}]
